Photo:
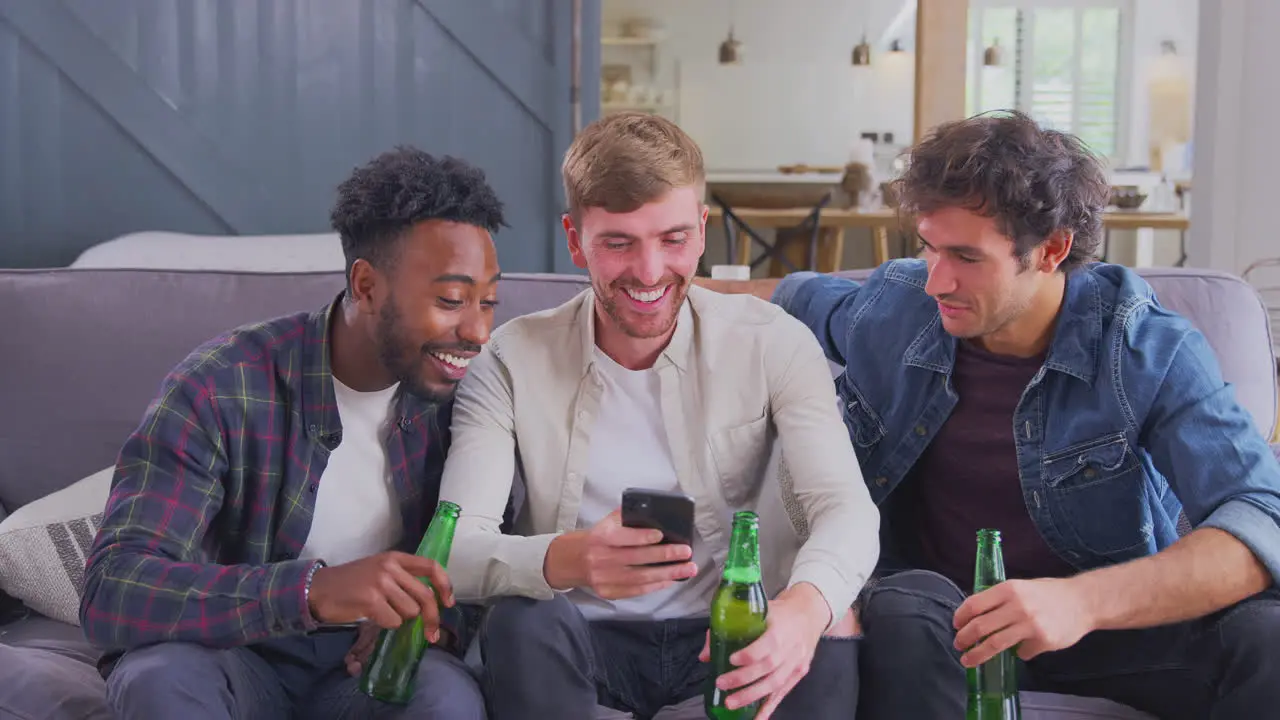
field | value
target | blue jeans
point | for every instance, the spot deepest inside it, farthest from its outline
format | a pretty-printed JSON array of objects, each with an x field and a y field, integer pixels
[
  {"x": 302, "y": 677},
  {"x": 544, "y": 660},
  {"x": 1225, "y": 665}
]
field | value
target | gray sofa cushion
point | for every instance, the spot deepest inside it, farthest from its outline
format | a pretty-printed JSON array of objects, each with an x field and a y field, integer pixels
[
  {"x": 32, "y": 628},
  {"x": 105, "y": 339},
  {"x": 85, "y": 351},
  {"x": 50, "y": 679}
]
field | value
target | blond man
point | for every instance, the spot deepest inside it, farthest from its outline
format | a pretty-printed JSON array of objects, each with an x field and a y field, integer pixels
[{"x": 644, "y": 380}]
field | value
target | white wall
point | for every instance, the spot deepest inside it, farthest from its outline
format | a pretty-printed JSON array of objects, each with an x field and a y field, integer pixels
[
  {"x": 796, "y": 98},
  {"x": 1237, "y": 146}
]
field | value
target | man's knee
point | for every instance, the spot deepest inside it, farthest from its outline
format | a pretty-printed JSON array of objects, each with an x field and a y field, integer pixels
[
  {"x": 446, "y": 689},
  {"x": 144, "y": 674},
  {"x": 1250, "y": 634},
  {"x": 525, "y": 620},
  {"x": 914, "y": 593},
  {"x": 908, "y": 616}
]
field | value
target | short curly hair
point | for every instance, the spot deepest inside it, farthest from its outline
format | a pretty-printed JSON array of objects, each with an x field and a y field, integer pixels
[
  {"x": 1003, "y": 165},
  {"x": 400, "y": 188}
]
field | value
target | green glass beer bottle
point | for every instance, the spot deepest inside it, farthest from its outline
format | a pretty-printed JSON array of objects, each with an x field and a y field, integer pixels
[
  {"x": 389, "y": 674},
  {"x": 993, "y": 685},
  {"x": 738, "y": 613}
]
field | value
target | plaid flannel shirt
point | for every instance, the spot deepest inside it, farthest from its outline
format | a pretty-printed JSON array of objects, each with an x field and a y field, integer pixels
[{"x": 212, "y": 498}]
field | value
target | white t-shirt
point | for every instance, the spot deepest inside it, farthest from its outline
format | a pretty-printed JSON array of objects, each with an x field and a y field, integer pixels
[
  {"x": 629, "y": 449},
  {"x": 357, "y": 512}
]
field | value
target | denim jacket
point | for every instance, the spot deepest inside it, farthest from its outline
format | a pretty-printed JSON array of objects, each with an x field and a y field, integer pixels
[{"x": 1127, "y": 424}]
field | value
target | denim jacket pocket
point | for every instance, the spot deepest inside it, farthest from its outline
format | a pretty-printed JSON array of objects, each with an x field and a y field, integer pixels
[
  {"x": 865, "y": 427},
  {"x": 1098, "y": 488},
  {"x": 741, "y": 454}
]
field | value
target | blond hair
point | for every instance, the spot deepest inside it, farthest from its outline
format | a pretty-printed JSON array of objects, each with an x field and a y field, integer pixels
[{"x": 625, "y": 160}]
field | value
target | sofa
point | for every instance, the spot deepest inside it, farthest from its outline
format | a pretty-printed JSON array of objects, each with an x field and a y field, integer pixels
[{"x": 85, "y": 348}]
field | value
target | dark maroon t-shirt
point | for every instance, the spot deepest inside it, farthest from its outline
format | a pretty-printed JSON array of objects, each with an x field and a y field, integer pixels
[{"x": 967, "y": 479}]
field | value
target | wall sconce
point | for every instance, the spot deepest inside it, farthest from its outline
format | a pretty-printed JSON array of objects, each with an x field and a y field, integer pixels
[
  {"x": 994, "y": 55},
  {"x": 1168, "y": 48},
  {"x": 896, "y": 46},
  {"x": 862, "y": 53}
]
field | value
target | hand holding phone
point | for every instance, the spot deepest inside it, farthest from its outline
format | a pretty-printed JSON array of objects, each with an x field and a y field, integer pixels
[
  {"x": 670, "y": 512},
  {"x": 615, "y": 561}
]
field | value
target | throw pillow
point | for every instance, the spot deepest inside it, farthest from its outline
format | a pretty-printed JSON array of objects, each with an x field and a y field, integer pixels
[{"x": 43, "y": 546}]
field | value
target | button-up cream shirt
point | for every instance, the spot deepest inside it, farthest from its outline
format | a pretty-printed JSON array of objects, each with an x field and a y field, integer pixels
[{"x": 752, "y": 419}]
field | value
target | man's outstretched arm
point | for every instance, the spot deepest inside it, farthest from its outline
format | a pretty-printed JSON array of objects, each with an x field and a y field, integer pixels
[{"x": 1229, "y": 483}]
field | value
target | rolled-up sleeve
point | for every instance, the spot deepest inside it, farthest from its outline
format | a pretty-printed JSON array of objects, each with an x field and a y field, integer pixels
[{"x": 1218, "y": 463}]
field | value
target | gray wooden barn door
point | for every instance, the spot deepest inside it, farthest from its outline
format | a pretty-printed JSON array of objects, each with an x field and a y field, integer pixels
[{"x": 240, "y": 116}]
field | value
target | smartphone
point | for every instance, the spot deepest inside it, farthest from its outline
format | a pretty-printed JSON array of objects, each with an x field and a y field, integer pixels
[{"x": 668, "y": 511}]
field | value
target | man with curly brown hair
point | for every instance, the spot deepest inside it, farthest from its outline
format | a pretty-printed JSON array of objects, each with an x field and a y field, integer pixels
[{"x": 1003, "y": 380}]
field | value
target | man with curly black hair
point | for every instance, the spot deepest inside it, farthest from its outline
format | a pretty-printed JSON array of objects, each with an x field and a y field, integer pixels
[
  {"x": 273, "y": 493},
  {"x": 1006, "y": 381}
]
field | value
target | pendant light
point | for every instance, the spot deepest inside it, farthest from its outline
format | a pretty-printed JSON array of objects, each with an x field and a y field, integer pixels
[
  {"x": 994, "y": 55},
  {"x": 862, "y": 52},
  {"x": 731, "y": 49}
]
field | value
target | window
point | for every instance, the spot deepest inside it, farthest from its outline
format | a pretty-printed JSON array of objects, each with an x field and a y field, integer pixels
[{"x": 1061, "y": 63}]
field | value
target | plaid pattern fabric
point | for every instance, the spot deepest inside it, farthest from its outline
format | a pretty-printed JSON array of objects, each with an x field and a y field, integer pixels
[{"x": 212, "y": 497}]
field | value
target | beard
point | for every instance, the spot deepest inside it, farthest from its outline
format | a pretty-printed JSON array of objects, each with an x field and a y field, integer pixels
[
  {"x": 409, "y": 362},
  {"x": 1010, "y": 307},
  {"x": 643, "y": 326}
]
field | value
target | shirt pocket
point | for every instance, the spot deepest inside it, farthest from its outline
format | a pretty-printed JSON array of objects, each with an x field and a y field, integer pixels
[
  {"x": 1099, "y": 489},
  {"x": 741, "y": 454}
]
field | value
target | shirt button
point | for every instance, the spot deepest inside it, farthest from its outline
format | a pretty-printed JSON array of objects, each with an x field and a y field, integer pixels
[
  {"x": 313, "y": 487},
  {"x": 573, "y": 477},
  {"x": 921, "y": 430},
  {"x": 882, "y": 481}
]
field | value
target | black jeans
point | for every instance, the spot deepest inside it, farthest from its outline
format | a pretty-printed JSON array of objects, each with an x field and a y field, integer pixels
[
  {"x": 542, "y": 659},
  {"x": 1226, "y": 665}
]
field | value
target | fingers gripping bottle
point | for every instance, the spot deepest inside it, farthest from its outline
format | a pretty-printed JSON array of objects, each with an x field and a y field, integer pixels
[
  {"x": 993, "y": 686},
  {"x": 389, "y": 674},
  {"x": 738, "y": 612}
]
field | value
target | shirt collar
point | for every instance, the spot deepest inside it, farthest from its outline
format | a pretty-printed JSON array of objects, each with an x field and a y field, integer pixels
[
  {"x": 678, "y": 349},
  {"x": 1073, "y": 349},
  {"x": 318, "y": 399}
]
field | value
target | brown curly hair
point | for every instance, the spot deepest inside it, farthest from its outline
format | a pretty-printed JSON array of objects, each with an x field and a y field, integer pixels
[{"x": 1032, "y": 180}]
